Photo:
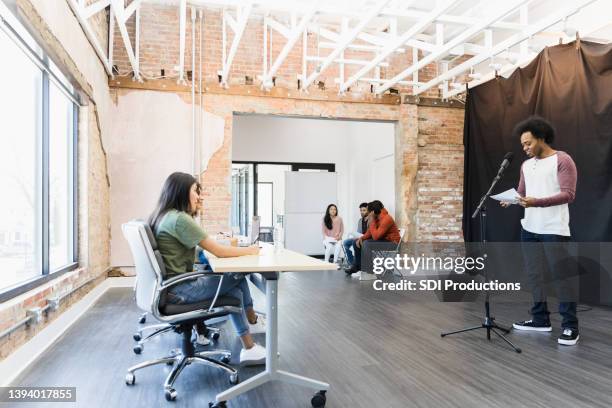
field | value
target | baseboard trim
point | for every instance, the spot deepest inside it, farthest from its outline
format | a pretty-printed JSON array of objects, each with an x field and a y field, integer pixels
[{"x": 12, "y": 366}]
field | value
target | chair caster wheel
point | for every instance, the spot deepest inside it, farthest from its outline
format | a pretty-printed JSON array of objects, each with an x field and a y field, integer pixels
[
  {"x": 234, "y": 379},
  {"x": 215, "y": 336},
  {"x": 137, "y": 337},
  {"x": 130, "y": 379},
  {"x": 170, "y": 394},
  {"x": 225, "y": 359},
  {"x": 137, "y": 349},
  {"x": 221, "y": 404},
  {"x": 142, "y": 319},
  {"x": 319, "y": 399}
]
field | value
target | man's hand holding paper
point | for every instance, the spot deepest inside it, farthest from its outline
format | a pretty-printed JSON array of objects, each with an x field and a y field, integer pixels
[{"x": 507, "y": 198}]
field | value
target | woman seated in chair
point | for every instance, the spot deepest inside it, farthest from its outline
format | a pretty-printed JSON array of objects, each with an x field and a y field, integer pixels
[
  {"x": 332, "y": 229},
  {"x": 177, "y": 235}
]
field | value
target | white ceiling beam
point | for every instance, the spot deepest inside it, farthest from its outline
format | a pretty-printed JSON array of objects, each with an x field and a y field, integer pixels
[
  {"x": 439, "y": 35},
  {"x": 373, "y": 39},
  {"x": 344, "y": 42},
  {"x": 242, "y": 19},
  {"x": 295, "y": 35},
  {"x": 380, "y": 42},
  {"x": 111, "y": 39},
  {"x": 137, "y": 40},
  {"x": 265, "y": 45},
  {"x": 284, "y": 31},
  {"x": 348, "y": 61},
  {"x": 451, "y": 19},
  {"x": 415, "y": 74},
  {"x": 399, "y": 41},
  {"x": 469, "y": 49},
  {"x": 379, "y": 80},
  {"x": 133, "y": 6},
  {"x": 94, "y": 8},
  {"x": 500, "y": 12},
  {"x": 119, "y": 11},
  {"x": 230, "y": 20},
  {"x": 91, "y": 36},
  {"x": 397, "y": 10},
  {"x": 489, "y": 76},
  {"x": 182, "y": 28},
  {"x": 358, "y": 47},
  {"x": 506, "y": 44},
  {"x": 324, "y": 32}
]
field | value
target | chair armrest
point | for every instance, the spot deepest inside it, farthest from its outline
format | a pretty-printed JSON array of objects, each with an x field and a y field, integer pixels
[{"x": 185, "y": 277}]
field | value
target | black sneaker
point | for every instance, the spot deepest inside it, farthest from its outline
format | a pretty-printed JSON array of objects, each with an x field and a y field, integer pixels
[
  {"x": 569, "y": 337},
  {"x": 353, "y": 269},
  {"x": 531, "y": 326}
]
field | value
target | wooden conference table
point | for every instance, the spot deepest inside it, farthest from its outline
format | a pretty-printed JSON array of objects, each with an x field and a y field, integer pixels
[{"x": 270, "y": 263}]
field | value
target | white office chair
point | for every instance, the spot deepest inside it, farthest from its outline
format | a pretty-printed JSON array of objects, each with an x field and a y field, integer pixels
[{"x": 151, "y": 298}]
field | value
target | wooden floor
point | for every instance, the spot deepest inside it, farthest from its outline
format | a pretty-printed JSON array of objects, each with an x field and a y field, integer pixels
[{"x": 376, "y": 349}]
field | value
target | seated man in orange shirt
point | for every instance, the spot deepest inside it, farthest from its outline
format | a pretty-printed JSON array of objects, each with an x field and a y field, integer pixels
[{"x": 381, "y": 228}]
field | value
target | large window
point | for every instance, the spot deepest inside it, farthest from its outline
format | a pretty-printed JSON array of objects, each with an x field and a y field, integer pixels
[
  {"x": 38, "y": 112},
  {"x": 61, "y": 198},
  {"x": 258, "y": 188}
]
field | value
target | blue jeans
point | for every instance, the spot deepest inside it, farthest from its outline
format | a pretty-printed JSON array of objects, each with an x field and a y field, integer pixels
[
  {"x": 541, "y": 251},
  {"x": 348, "y": 243},
  {"x": 205, "y": 287}
]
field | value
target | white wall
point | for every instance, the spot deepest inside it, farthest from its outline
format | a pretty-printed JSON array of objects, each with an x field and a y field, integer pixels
[
  {"x": 351, "y": 145},
  {"x": 150, "y": 138}
]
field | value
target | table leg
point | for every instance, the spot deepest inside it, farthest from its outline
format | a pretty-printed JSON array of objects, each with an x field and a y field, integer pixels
[{"x": 272, "y": 373}]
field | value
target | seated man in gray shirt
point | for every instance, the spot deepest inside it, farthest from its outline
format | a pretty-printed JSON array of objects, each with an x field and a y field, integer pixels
[{"x": 362, "y": 227}]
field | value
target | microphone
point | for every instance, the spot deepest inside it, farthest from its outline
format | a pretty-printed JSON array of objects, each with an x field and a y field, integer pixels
[{"x": 505, "y": 163}]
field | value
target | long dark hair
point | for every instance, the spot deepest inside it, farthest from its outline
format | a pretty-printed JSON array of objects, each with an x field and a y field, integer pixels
[
  {"x": 327, "y": 219},
  {"x": 174, "y": 196}
]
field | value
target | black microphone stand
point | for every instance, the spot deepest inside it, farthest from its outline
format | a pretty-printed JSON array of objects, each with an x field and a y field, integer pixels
[{"x": 489, "y": 321}]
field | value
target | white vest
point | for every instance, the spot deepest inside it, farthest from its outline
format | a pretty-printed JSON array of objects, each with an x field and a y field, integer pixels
[{"x": 541, "y": 181}]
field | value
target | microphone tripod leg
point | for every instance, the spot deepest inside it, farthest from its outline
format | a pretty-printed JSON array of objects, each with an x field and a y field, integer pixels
[
  {"x": 518, "y": 350},
  {"x": 504, "y": 329},
  {"x": 462, "y": 330}
]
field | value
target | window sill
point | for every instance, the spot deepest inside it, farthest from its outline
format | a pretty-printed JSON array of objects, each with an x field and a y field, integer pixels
[{"x": 24, "y": 287}]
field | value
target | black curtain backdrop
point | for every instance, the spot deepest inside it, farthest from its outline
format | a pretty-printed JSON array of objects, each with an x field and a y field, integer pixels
[{"x": 571, "y": 86}]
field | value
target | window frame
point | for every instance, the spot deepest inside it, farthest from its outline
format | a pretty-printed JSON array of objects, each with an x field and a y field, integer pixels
[
  {"x": 295, "y": 166},
  {"x": 43, "y": 62}
]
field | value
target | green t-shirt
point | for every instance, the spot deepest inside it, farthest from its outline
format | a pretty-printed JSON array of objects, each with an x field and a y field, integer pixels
[{"x": 177, "y": 236}]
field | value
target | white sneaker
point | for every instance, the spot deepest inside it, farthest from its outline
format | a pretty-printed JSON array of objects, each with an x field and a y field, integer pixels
[
  {"x": 259, "y": 326},
  {"x": 202, "y": 340},
  {"x": 256, "y": 355}
]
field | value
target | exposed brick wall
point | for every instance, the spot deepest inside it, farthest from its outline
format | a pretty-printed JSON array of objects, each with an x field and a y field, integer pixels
[
  {"x": 159, "y": 49},
  {"x": 440, "y": 174},
  {"x": 428, "y": 150}
]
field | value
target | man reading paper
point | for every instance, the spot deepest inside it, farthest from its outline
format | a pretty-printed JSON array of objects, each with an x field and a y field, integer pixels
[{"x": 547, "y": 185}]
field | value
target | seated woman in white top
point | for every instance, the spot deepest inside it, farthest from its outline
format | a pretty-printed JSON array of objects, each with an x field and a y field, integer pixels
[{"x": 332, "y": 228}]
